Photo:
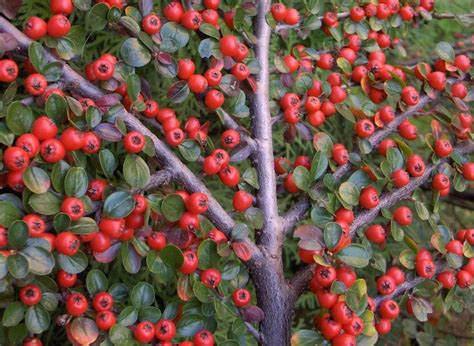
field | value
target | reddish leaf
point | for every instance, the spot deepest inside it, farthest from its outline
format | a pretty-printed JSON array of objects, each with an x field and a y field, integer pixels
[
  {"x": 184, "y": 289},
  {"x": 311, "y": 237},
  {"x": 108, "y": 132},
  {"x": 252, "y": 314},
  {"x": 9, "y": 41},
  {"x": 241, "y": 250},
  {"x": 436, "y": 129},
  {"x": 253, "y": 84},
  {"x": 84, "y": 331},
  {"x": 107, "y": 101},
  {"x": 177, "y": 237},
  {"x": 164, "y": 58},
  {"x": 108, "y": 255},
  {"x": 10, "y": 7}
]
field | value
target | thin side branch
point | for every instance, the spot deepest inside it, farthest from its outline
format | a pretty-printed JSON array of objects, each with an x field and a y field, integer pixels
[
  {"x": 391, "y": 198},
  {"x": 400, "y": 290},
  {"x": 408, "y": 285},
  {"x": 159, "y": 178},
  {"x": 297, "y": 211}
]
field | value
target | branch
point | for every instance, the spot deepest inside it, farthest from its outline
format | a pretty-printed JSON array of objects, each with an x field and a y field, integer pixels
[
  {"x": 400, "y": 290},
  {"x": 444, "y": 15},
  {"x": 297, "y": 212},
  {"x": 280, "y": 27},
  {"x": 255, "y": 333},
  {"x": 77, "y": 83},
  {"x": 262, "y": 132},
  {"x": 342, "y": 15},
  {"x": 231, "y": 123},
  {"x": 301, "y": 279},
  {"x": 408, "y": 285},
  {"x": 159, "y": 178},
  {"x": 391, "y": 198}
]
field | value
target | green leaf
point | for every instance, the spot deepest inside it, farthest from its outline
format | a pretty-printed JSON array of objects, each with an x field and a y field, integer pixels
[
  {"x": 422, "y": 211},
  {"x": 319, "y": 165},
  {"x": 131, "y": 261},
  {"x": 332, "y": 234},
  {"x": 172, "y": 256},
  {"x": 445, "y": 51},
  {"x": 96, "y": 281},
  {"x": 354, "y": 255},
  {"x": 133, "y": 86},
  {"x": 128, "y": 316},
  {"x": 397, "y": 232},
  {"x": 322, "y": 142},
  {"x": 45, "y": 203},
  {"x": 172, "y": 207},
  {"x": 120, "y": 335},
  {"x": 134, "y": 53},
  {"x": 37, "y": 319},
  {"x": 73, "y": 264},
  {"x": 320, "y": 216},
  {"x": 17, "y": 266},
  {"x": 56, "y": 108},
  {"x": 82, "y": 5},
  {"x": 208, "y": 48},
  {"x": 13, "y": 314},
  {"x": 207, "y": 254},
  {"x": 19, "y": 118},
  {"x": 9, "y": 213},
  {"x": 36, "y": 180},
  {"x": 302, "y": 178},
  {"x": 209, "y": 30},
  {"x": 17, "y": 234},
  {"x": 119, "y": 204},
  {"x": 303, "y": 83},
  {"x": 96, "y": 18},
  {"x": 142, "y": 294},
  {"x": 395, "y": 158},
  {"x": 240, "y": 231},
  {"x": 149, "y": 313},
  {"x": 57, "y": 175},
  {"x": 190, "y": 324},
  {"x": 61, "y": 222},
  {"x": 304, "y": 337},
  {"x": 40, "y": 261},
  {"x": 108, "y": 163},
  {"x": 190, "y": 150},
  {"x": 136, "y": 171},
  {"x": 76, "y": 182},
  {"x": 349, "y": 193},
  {"x": 84, "y": 225},
  {"x": 173, "y": 36},
  {"x": 37, "y": 56}
]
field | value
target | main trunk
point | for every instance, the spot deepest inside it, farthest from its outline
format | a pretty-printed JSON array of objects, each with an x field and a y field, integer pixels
[{"x": 273, "y": 299}]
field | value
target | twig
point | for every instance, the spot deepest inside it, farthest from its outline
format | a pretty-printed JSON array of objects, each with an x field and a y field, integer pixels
[
  {"x": 255, "y": 333},
  {"x": 295, "y": 213},
  {"x": 391, "y": 198},
  {"x": 406, "y": 286}
]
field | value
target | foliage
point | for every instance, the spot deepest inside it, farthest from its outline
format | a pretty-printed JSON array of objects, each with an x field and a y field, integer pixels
[{"x": 161, "y": 210}]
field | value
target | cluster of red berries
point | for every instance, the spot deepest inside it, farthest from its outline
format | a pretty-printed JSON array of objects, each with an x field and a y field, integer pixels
[
  {"x": 58, "y": 24},
  {"x": 42, "y": 140},
  {"x": 340, "y": 325}
]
